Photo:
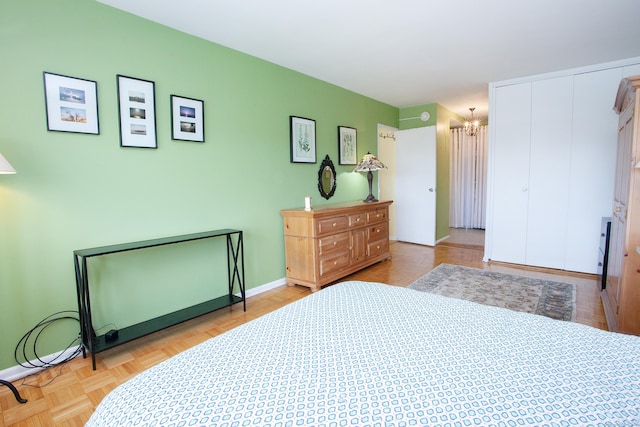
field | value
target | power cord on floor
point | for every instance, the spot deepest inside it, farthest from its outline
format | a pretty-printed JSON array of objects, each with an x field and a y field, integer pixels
[{"x": 30, "y": 339}]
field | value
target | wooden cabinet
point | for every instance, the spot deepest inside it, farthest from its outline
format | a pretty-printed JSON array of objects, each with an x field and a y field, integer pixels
[
  {"x": 621, "y": 298},
  {"x": 329, "y": 242}
]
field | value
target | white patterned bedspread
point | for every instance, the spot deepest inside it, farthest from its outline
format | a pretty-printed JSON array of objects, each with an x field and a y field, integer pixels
[{"x": 369, "y": 354}]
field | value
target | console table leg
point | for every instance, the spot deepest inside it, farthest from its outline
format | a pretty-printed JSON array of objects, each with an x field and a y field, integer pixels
[{"x": 14, "y": 390}]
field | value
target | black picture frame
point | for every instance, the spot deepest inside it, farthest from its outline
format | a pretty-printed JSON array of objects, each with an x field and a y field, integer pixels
[
  {"x": 71, "y": 104},
  {"x": 303, "y": 139},
  {"x": 137, "y": 112},
  {"x": 187, "y": 119},
  {"x": 347, "y": 145}
]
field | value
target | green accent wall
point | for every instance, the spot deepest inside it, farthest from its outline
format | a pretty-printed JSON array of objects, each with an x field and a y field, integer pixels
[{"x": 75, "y": 191}]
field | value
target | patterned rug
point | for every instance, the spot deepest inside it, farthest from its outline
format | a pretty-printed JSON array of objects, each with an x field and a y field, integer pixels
[{"x": 544, "y": 297}]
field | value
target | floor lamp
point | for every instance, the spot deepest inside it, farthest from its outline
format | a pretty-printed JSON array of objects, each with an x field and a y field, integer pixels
[{"x": 6, "y": 168}]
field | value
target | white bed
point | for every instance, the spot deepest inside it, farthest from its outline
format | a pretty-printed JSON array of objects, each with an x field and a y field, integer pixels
[{"x": 369, "y": 354}]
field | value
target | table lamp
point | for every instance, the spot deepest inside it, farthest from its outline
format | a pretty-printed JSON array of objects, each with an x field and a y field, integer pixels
[{"x": 368, "y": 164}]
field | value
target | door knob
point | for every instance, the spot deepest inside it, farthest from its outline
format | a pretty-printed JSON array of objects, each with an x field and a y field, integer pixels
[{"x": 431, "y": 190}]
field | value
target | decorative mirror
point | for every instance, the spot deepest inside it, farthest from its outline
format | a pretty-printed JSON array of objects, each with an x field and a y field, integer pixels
[{"x": 327, "y": 178}]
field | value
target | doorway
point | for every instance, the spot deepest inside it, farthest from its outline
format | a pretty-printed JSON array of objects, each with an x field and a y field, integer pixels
[
  {"x": 386, "y": 178},
  {"x": 468, "y": 187}
]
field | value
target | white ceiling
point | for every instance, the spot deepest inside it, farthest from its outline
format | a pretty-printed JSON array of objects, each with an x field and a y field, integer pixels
[{"x": 411, "y": 52}]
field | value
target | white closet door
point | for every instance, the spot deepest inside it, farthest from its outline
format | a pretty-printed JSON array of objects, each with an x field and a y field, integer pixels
[
  {"x": 509, "y": 185},
  {"x": 416, "y": 185},
  {"x": 592, "y": 171},
  {"x": 550, "y": 157}
]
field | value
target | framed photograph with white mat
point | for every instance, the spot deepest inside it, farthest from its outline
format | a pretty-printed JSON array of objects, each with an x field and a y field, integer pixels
[
  {"x": 136, "y": 101},
  {"x": 187, "y": 119},
  {"x": 71, "y": 104}
]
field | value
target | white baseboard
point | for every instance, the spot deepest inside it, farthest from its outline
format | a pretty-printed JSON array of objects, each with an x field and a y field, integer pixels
[
  {"x": 266, "y": 287},
  {"x": 442, "y": 239},
  {"x": 17, "y": 372}
]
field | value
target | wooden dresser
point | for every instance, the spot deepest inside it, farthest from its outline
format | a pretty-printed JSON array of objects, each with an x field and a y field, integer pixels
[{"x": 329, "y": 242}]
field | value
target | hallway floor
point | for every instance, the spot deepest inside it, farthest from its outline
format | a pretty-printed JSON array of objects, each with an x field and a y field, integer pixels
[{"x": 465, "y": 236}]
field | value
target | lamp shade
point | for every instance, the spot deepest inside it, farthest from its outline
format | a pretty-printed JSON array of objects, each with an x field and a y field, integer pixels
[
  {"x": 369, "y": 163},
  {"x": 5, "y": 166}
]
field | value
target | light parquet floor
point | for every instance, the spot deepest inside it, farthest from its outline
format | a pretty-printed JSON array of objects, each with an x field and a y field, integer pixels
[{"x": 68, "y": 395}]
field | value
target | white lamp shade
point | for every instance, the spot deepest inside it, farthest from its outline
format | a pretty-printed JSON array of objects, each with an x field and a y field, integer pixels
[{"x": 5, "y": 166}]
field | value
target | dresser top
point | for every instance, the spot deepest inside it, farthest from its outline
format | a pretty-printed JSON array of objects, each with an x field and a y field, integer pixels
[{"x": 336, "y": 208}]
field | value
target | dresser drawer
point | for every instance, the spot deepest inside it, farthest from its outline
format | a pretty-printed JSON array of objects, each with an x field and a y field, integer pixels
[
  {"x": 378, "y": 232},
  {"x": 356, "y": 220},
  {"x": 329, "y": 264},
  {"x": 379, "y": 215},
  {"x": 332, "y": 225},
  {"x": 335, "y": 242},
  {"x": 377, "y": 248}
]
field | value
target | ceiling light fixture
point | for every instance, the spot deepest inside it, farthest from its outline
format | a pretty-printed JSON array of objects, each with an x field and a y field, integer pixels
[{"x": 471, "y": 125}]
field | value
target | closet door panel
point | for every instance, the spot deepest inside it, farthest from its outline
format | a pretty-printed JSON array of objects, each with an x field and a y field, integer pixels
[
  {"x": 510, "y": 173},
  {"x": 551, "y": 111},
  {"x": 592, "y": 171}
]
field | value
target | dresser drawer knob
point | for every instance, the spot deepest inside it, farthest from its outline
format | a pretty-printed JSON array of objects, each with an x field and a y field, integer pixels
[
  {"x": 335, "y": 262},
  {"x": 334, "y": 224},
  {"x": 335, "y": 243}
]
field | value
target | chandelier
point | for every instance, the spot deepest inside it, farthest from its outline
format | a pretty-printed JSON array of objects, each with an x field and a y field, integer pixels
[{"x": 471, "y": 125}]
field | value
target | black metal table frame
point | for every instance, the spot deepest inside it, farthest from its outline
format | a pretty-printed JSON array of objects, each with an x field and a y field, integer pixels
[{"x": 235, "y": 273}]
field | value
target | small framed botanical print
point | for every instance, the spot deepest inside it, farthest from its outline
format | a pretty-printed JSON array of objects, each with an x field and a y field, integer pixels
[
  {"x": 303, "y": 140},
  {"x": 347, "y": 145}
]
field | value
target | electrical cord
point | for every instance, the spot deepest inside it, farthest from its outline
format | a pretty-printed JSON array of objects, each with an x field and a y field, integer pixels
[{"x": 36, "y": 332}]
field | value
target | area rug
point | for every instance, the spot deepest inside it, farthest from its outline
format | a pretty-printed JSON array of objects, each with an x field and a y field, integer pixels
[{"x": 552, "y": 299}]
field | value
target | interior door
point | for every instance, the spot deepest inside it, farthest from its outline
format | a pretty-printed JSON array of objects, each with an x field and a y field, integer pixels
[
  {"x": 549, "y": 174},
  {"x": 416, "y": 185},
  {"x": 509, "y": 182}
]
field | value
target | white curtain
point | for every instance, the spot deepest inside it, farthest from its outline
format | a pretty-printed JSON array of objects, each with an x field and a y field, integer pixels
[{"x": 468, "y": 179}]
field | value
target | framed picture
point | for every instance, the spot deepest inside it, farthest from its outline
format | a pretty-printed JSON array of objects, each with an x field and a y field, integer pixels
[
  {"x": 71, "y": 104},
  {"x": 347, "y": 146},
  {"x": 187, "y": 119},
  {"x": 303, "y": 140},
  {"x": 137, "y": 105}
]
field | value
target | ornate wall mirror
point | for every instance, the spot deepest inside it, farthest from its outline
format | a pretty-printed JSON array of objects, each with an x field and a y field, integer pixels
[{"x": 327, "y": 178}]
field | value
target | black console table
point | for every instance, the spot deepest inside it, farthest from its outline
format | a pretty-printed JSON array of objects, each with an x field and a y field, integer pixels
[{"x": 97, "y": 343}]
